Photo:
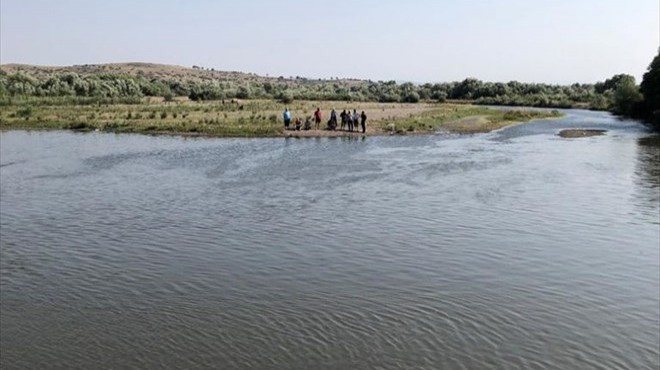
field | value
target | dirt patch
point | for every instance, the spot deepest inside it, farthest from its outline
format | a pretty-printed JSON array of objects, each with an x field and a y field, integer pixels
[
  {"x": 575, "y": 133},
  {"x": 473, "y": 124}
]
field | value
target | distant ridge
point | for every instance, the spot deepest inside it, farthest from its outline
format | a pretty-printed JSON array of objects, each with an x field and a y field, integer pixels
[{"x": 157, "y": 71}]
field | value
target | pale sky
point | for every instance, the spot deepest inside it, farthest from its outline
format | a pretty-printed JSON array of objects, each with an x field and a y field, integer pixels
[{"x": 553, "y": 41}]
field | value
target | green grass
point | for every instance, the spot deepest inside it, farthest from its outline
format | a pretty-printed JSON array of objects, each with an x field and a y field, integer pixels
[
  {"x": 453, "y": 118},
  {"x": 251, "y": 118},
  {"x": 147, "y": 117}
]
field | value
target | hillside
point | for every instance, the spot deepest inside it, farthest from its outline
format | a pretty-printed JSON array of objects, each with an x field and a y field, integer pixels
[
  {"x": 156, "y": 71},
  {"x": 149, "y": 70}
]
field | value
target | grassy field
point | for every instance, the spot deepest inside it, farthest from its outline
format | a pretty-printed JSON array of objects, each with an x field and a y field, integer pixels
[{"x": 252, "y": 118}]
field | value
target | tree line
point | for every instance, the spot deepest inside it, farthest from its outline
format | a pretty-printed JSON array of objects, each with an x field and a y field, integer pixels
[{"x": 117, "y": 85}]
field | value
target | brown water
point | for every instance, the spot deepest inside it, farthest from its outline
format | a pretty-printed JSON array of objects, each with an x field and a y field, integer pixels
[{"x": 510, "y": 250}]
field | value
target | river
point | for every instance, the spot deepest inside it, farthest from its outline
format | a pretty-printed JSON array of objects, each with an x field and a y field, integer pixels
[{"x": 515, "y": 249}]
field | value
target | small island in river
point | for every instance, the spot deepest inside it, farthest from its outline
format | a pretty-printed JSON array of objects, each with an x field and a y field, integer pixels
[
  {"x": 259, "y": 118},
  {"x": 575, "y": 133}
]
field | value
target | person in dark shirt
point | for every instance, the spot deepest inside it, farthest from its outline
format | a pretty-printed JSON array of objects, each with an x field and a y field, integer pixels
[
  {"x": 332, "y": 123},
  {"x": 343, "y": 119},
  {"x": 363, "y": 116}
]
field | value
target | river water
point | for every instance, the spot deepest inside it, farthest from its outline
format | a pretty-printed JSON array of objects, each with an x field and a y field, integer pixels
[{"x": 510, "y": 250}]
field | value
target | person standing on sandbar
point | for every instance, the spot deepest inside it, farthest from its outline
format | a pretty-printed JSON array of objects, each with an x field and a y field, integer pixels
[
  {"x": 317, "y": 117},
  {"x": 363, "y": 116},
  {"x": 287, "y": 118}
]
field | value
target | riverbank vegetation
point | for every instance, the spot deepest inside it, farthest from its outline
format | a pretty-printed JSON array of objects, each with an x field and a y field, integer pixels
[
  {"x": 249, "y": 118},
  {"x": 641, "y": 102}
]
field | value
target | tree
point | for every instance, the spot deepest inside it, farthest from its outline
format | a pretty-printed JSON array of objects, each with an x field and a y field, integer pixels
[
  {"x": 466, "y": 89},
  {"x": 411, "y": 97},
  {"x": 614, "y": 82},
  {"x": 243, "y": 92},
  {"x": 285, "y": 97},
  {"x": 627, "y": 97},
  {"x": 650, "y": 86}
]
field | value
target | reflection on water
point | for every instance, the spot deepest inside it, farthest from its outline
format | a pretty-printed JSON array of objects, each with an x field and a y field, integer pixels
[
  {"x": 648, "y": 171},
  {"x": 515, "y": 249}
]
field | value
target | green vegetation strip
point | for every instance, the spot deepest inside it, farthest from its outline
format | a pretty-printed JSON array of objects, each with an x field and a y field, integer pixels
[
  {"x": 464, "y": 119},
  {"x": 251, "y": 118}
]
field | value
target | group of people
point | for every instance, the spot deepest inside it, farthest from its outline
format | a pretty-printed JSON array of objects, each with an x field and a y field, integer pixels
[{"x": 349, "y": 121}]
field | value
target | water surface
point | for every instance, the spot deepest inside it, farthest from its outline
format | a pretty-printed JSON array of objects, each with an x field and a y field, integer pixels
[{"x": 515, "y": 249}]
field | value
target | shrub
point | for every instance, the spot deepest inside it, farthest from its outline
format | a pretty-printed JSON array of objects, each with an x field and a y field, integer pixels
[
  {"x": 76, "y": 126},
  {"x": 285, "y": 98},
  {"x": 163, "y": 115},
  {"x": 439, "y": 96},
  {"x": 24, "y": 112},
  {"x": 412, "y": 97},
  {"x": 243, "y": 93}
]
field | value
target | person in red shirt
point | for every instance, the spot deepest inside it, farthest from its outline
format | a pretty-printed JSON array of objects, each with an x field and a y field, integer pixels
[{"x": 317, "y": 117}]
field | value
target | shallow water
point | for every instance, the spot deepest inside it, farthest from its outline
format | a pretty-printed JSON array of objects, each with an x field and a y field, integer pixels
[{"x": 514, "y": 249}]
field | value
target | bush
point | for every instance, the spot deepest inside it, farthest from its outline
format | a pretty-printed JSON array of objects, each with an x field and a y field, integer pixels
[
  {"x": 163, "y": 115},
  {"x": 439, "y": 96},
  {"x": 243, "y": 93},
  {"x": 168, "y": 96},
  {"x": 412, "y": 97},
  {"x": 77, "y": 126},
  {"x": 285, "y": 98},
  {"x": 24, "y": 112}
]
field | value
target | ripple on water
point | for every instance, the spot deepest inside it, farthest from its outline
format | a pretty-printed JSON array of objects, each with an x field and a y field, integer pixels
[{"x": 397, "y": 252}]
